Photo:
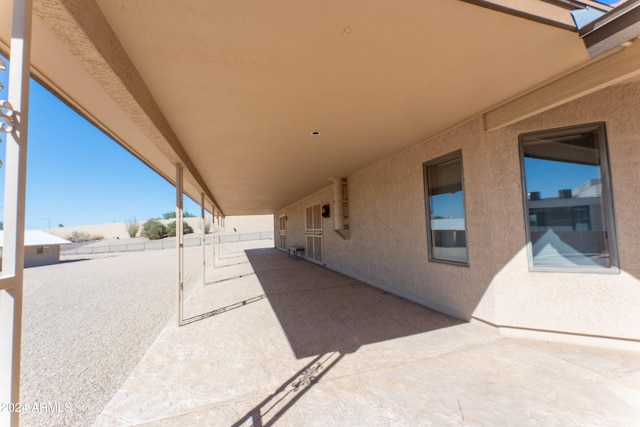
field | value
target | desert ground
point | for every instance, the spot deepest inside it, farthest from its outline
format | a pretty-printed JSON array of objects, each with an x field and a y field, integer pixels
[{"x": 89, "y": 320}]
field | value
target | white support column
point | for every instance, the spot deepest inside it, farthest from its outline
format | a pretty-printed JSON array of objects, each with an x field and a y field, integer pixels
[
  {"x": 14, "y": 119},
  {"x": 204, "y": 243},
  {"x": 10, "y": 337},
  {"x": 215, "y": 228},
  {"x": 180, "y": 243}
]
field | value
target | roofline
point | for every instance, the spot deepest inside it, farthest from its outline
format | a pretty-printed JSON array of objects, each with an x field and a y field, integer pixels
[
  {"x": 532, "y": 13},
  {"x": 54, "y": 90},
  {"x": 612, "y": 29},
  {"x": 105, "y": 46}
]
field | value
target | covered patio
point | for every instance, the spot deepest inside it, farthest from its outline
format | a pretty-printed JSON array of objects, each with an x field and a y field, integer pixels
[
  {"x": 296, "y": 344},
  {"x": 330, "y": 116}
]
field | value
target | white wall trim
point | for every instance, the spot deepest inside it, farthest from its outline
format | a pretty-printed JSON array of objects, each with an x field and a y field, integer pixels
[{"x": 616, "y": 343}]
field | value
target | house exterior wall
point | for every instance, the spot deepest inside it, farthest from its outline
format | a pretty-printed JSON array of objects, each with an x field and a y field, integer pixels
[
  {"x": 33, "y": 259},
  {"x": 388, "y": 244}
]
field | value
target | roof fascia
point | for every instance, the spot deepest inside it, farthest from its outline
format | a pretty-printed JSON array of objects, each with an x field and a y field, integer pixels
[
  {"x": 612, "y": 29},
  {"x": 533, "y": 10},
  {"x": 615, "y": 67},
  {"x": 54, "y": 90}
]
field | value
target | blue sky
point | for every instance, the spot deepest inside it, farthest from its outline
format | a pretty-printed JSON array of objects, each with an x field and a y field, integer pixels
[
  {"x": 77, "y": 175},
  {"x": 448, "y": 205},
  {"x": 548, "y": 177}
]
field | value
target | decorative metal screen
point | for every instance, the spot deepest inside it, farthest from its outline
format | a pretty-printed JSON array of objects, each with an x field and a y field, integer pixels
[
  {"x": 313, "y": 233},
  {"x": 282, "y": 243}
]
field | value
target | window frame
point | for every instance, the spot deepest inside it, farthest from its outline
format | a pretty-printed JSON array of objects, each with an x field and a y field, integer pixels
[
  {"x": 454, "y": 155},
  {"x": 600, "y": 131}
]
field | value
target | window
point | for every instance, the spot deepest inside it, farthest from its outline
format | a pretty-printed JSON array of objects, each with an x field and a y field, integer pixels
[
  {"x": 567, "y": 194},
  {"x": 41, "y": 250},
  {"x": 444, "y": 195}
]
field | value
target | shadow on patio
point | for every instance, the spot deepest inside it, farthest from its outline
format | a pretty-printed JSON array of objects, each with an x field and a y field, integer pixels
[
  {"x": 327, "y": 315},
  {"x": 272, "y": 327},
  {"x": 296, "y": 344},
  {"x": 323, "y": 311}
]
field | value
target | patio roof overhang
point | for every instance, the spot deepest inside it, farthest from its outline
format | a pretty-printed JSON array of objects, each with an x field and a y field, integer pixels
[
  {"x": 233, "y": 90},
  {"x": 612, "y": 29}
]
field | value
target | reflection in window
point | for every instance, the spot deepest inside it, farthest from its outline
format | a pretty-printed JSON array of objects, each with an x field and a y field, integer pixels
[
  {"x": 445, "y": 209},
  {"x": 567, "y": 198}
]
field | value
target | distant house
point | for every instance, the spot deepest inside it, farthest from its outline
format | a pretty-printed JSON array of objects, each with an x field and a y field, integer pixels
[{"x": 40, "y": 248}]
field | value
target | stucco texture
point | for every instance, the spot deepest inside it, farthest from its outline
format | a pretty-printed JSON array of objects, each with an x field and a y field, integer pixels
[{"x": 388, "y": 244}]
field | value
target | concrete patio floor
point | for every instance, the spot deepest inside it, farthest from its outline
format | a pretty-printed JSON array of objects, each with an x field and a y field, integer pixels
[{"x": 294, "y": 344}]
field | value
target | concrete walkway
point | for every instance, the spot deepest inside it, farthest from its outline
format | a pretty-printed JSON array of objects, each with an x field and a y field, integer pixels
[{"x": 290, "y": 343}]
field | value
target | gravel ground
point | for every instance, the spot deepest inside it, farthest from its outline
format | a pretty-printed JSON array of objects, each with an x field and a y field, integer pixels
[{"x": 87, "y": 323}]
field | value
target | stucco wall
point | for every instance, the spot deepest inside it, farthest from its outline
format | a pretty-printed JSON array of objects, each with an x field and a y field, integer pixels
[{"x": 388, "y": 245}]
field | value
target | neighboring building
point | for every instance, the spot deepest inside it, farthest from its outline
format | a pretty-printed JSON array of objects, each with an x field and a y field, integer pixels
[{"x": 40, "y": 248}]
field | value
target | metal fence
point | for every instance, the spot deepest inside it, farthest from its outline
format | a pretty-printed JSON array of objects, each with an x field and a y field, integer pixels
[{"x": 166, "y": 243}]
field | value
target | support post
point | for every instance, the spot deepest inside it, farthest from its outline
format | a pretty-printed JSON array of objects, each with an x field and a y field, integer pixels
[
  {"x": 180, "y": 242},
  {"x": 224, "y": 235},
  {"x": 14, "y": 120},
  {"x": 213, "y": 234},
  {"x": 215, "y": 228},
  {"x": 204, "y": 253}
]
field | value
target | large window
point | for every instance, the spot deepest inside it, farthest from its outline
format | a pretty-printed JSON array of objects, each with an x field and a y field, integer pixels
[
  {"x": 569, "y": 213},
  {"x": 444, "y": 194}
]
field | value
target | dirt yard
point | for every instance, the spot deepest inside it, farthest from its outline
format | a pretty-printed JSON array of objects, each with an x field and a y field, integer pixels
[{"x": 87, "y": 323}]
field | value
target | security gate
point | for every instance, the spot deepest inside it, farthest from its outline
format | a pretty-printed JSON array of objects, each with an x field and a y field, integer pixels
[
  {"x": 313, "y": 234},
  {"x": 282, "y": 234}
]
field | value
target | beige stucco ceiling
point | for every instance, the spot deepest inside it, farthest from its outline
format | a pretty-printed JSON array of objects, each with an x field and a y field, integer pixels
[{"x": 242, "y": 84}]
